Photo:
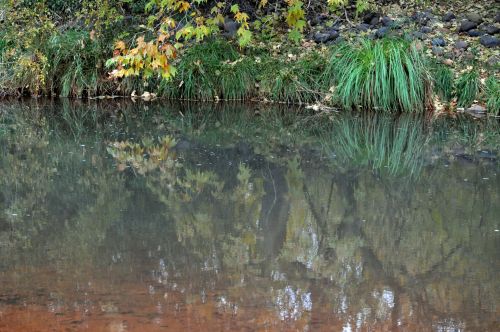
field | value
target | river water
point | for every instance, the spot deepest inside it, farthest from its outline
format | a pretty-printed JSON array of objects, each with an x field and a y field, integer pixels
[{"x": 119, "y": 216}]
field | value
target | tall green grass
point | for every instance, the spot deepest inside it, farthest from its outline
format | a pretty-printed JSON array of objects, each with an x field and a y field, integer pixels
[
  {"x": 383, "y": 75},
  {"x": 75, "y": 63},
  {"x": 212, "y": 70},
  {"x": 292, "y": 82},
  {"x": 492, "y": 95},
  {"x": 443, "y": 81},
  {"x": 467, "y": 88}
]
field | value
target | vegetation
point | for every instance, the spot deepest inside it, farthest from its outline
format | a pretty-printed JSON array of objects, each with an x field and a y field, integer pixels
[
  {"x": 468, "y": 87},
  {"x": 205, "y": 50},
  {"x": 443, "y": 82},
  {"x": 385, "y": 75}
]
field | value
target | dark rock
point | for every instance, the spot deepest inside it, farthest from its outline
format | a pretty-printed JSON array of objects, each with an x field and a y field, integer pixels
[
  {"x": 382, "y": 32},
  {"x": 419, "y": 35},
  {"x": 363, "y": 27},
  {"x": 182, "y": 145},
  {"x": 489, "y": 41},
  {"x": 449, "y": 55},
  {"x": 323, "y": 37},
  {"x": 493, "y": 61},
  {"x": 422, "y": 18},
  {"x": 486, "y": 154},
  {"x": 461, "y": 45},
  {"x": 438, "y": 42},
  {"x": 476, "y": 109},
  {"x": 475, "y": 33},
  {"x": 448, "y": 17},
  {"x": 426, "y": 29},
  {"x": 387, "y": 21},
  {"x": 372, "y": 18},
  {"x": 318, "y": 19},
  {"x": 497, "y": 17},
  {"x": 230, "y": 27},
  {"x": 469, "y": 56},
  {"x": 466, "y": 26},
  {"x": 436, "y": 50},
  {"x": 491, "y": 29},
  {"x": 475, "y": 17}
]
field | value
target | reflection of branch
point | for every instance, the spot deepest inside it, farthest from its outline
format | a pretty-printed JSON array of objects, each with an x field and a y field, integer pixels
[{"x": 316, "y": 215}]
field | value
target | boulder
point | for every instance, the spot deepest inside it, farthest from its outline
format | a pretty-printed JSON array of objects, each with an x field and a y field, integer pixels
[
  {"x": 324, "y": 37},
  {"x": 382, "y": 32},
  {"x": 475, "y": 33},
  {"x": 438, "y": 42},
  {"x": 426, "y": 29},
  {"x": 475, "y": 17},
  {"x": 466, "y": 26},
  {"x": 489, "y": 41},
  {"x": 387, "y": 21},
  {"x": 491, "y": 29},
  {"x": 436, "y": 50},
  {"x": 461, "y": 45},
  {"x": 449, "y": 16},
  {"x": 363, "y": 27},
  {"x": 230, "y": 27}
]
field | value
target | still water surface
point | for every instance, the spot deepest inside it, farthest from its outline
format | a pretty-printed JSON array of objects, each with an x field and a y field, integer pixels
[{"x": 120, "y": 217}]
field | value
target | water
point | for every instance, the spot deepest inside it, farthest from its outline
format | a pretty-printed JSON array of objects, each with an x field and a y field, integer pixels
[{"x": 246, "y": 222}]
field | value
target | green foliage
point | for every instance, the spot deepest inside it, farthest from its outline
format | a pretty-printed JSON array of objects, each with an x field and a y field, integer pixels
[
  {"x": 492, "y": 95},
  {"x": 443, "y": 81},
  {"x": 292, "y": 81},
  {"x": 210, "y": 71},
  {"x": 467, "y": 88},
  {"x": 384, "y": 75},
  {"x": 75, "y": 63}
]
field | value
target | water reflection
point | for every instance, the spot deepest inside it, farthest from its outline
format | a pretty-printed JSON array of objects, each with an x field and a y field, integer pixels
[{"x": 236, "y": 226}]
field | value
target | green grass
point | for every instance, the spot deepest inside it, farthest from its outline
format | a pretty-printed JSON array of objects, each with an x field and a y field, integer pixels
[
  {"x": 212, "y": 70},
  {"x": 384, "y": 75},
  {"x": 293, "y": 81},
  {"x": 492, "y": 95},
  {"x": 443, "y": 81},
  {"x": 74, "y": 63},
  {"x": 467, "y": 88}
]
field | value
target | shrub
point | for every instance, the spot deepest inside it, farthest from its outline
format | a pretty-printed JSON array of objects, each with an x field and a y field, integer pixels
[
  {"x": 75, "y": 63},
  {"x": 382, "y": 75},
  {"x": 292, "y": 82},
  {"x": 212, "y": 70},
  {"x": 467, "y": 87}
]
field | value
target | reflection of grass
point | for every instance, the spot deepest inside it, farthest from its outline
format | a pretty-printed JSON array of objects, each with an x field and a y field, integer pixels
[
  {"x": 475, "y": 135},
  {"x": 379, "y": 141}
]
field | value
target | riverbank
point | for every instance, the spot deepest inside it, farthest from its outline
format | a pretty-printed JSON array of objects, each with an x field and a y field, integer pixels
[{"x": 387, "y": 59}]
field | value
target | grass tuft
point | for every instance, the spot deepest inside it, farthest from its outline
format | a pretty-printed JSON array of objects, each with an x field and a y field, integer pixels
[
  {"x": 292, "y": 82},
  {"x": 383, "y": 75},
  {"x": 212, "y": 70},
  {"x": 443, "y": 82},
  {"x": 467, "y": 88},
  {"x": 492, "y": 95}
]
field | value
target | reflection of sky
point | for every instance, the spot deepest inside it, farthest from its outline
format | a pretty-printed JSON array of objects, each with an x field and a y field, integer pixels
[{"x": 292, "y": 303}]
